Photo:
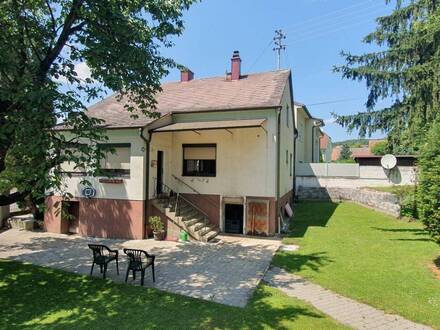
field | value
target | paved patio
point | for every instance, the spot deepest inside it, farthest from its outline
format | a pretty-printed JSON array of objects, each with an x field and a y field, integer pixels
[{"x": 225, "y": 272}]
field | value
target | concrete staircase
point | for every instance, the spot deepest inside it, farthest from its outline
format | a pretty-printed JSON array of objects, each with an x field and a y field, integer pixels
[{"x": 187, "y": 216}]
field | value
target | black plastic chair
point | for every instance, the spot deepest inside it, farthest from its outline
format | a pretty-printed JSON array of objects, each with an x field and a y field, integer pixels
[
  {"x": 102, "y": 255},
  {"x": 138, "y": 261}
]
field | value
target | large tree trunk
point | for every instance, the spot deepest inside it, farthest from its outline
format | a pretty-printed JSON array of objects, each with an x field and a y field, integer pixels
[{"x": 12, "y": 198}]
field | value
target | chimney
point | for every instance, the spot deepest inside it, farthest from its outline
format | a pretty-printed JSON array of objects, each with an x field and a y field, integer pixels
[
  {"x": 186, "y": 75},
  {"x": 235, "y": 65}
]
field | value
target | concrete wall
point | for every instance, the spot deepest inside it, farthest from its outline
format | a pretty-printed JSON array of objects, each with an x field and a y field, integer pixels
[{"x": 352, "y": 175}]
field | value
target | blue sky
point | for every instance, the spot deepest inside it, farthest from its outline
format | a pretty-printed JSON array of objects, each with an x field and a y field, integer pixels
[{"x": 317, "y": 30}]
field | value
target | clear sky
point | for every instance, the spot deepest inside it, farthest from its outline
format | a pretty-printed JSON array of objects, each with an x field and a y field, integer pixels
[{"x": 317, "y": 30}]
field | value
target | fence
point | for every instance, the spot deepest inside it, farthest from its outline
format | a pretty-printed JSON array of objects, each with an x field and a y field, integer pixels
[{"x": 328, "y": 170}]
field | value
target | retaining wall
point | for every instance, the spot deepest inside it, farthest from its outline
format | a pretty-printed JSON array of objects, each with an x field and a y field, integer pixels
[{"x": 381, "y": 201}]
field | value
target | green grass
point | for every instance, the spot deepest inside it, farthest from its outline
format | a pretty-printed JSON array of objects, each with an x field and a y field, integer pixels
[
  {"x": 396, "y": 190},
  {"x": 34, "y": 297},
  {"x": 368, "y": 256}
]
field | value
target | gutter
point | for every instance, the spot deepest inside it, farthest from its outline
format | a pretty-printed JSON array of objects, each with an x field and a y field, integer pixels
[
  {"x": 147, "y": 179},
  {"x": 278, "y": 163}
]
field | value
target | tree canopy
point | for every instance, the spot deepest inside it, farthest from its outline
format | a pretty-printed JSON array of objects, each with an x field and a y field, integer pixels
[
  {"x": 406, "y": 70},
  {"x": 41, "y": 43}
]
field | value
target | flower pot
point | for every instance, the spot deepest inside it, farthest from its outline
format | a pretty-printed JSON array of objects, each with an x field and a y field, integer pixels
[{"x": 159, "y": 235}]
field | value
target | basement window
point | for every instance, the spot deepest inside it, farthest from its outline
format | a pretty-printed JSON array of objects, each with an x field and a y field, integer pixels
[
  {"x": 199, "y": 160},
  {"x": 116, "y": 164}
]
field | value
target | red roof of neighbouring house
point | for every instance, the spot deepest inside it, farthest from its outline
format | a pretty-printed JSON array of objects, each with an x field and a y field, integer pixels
[
  {"x": 361, "y": 152},
  {"x": 258, "y": 90},
  {"x": 324, "y": 140}
]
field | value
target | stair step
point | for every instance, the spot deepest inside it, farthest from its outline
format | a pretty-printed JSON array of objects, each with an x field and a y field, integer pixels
[
  {"x": 192, "y": 222},
  {"x": 210, "y": 235}
]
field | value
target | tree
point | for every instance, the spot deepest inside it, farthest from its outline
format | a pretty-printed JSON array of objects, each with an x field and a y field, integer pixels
[
  {"x": 345, "y": 152},
  {"x": 41, "y": 42},
  {"x": 406, "y": 69},
  {"x": 379, "y": 148},
  {"x": 428, "y": 192}
]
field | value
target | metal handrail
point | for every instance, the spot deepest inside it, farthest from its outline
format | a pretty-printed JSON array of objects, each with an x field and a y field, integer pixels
[
  {"x": 192, "y": 205},
  {"x": 166, "y": 190},
  {"x": 186, "y": 184}
]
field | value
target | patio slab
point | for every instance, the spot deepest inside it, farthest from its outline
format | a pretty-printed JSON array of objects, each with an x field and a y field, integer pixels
[{"x": 225, "y": 272}]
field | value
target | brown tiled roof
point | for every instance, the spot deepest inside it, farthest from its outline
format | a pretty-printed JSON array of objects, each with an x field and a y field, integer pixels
[{"x": 257, "y": 90}]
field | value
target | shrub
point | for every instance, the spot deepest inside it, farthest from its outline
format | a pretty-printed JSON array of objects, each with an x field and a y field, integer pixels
[
  {"x": 156, "y": 224},
  {"x": 428, "y": 194}
]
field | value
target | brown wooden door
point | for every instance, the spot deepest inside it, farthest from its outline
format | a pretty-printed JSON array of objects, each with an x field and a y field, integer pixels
[{"x": 257, "y": 221}]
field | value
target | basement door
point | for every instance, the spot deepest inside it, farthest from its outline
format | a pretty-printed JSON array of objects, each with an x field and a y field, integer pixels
[{"x": 234, "y": 218}]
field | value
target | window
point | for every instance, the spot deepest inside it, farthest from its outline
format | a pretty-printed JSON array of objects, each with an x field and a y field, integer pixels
[
  {"x": 287, "y": 157},
  {"x": 199, "y": 160},
  {"x": 287, "y": 115},
  {"x": 291, "y": 165},
  {"x": 117, "y": 163}
]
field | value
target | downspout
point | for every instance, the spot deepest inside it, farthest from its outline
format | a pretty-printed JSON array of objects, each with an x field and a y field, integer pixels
[
  {"x": 277, "y": 203},
  {"x": 147, "y": 178},
  {"x": 313, "y": 143}
]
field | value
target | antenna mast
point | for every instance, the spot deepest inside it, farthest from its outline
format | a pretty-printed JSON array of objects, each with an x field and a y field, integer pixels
[{"x": 279, "y": 46}]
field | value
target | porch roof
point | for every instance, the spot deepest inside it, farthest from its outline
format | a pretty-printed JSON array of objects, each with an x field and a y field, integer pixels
[{"x": 217, "y": 124}]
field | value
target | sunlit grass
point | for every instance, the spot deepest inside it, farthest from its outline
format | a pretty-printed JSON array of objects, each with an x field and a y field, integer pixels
[
  {"x": 34, "y": 297},
  {"x": 366, "y": 255}
]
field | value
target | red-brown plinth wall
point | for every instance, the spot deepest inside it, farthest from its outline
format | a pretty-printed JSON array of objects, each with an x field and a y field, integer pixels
[{"x": 109, "y": 218}]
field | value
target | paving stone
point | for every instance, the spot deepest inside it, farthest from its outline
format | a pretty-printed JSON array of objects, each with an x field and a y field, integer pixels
[
  {"x": 226, "y": 273},
  {"x": 345, "y": 310}
]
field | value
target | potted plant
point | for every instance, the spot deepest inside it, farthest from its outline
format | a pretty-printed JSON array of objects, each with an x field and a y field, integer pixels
[{"x": 157, "y": 227}]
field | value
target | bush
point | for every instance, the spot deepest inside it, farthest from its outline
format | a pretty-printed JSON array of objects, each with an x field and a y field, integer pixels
[
  {"x": 428, "y": 194},
  {"x": 156, "y": 224}
]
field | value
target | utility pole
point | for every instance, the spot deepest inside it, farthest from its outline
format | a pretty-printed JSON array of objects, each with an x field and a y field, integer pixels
[{"x": 279, "y": 46}]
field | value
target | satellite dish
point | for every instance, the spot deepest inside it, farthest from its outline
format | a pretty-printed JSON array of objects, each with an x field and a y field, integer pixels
[{"x": 388, "y": 161}]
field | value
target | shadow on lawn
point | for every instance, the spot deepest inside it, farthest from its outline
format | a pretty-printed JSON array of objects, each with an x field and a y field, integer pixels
[
  {"x": 411, "y": 234},
  {"x": 294, "y": 262},
  {"x": 310, "y": 214},
  {"x": 36, "y": 297}
]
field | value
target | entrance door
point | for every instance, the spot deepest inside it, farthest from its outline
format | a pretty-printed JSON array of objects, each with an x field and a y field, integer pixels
[
  {"x": 159, "y": 174},
  {"x": 234, "y": 218},
  {"x": 73, "y": 211}
]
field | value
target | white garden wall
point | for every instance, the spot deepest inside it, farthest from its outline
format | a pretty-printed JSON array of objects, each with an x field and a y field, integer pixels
[{"x": 352, "y": 175}]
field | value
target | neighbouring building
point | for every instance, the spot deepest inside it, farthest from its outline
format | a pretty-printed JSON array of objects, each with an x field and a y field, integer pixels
[
  {"x": 326, "y": 147},
  {"x": 223, "y": 148},
  {"x": 308, "y": 134}
]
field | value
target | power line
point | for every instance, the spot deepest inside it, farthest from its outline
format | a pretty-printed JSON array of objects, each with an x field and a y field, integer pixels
[
  {"x": 331, "y": 14},
  {"x": 279, "y": 46},
  {"x": 335, "y": 101},
  {"x": 260, "y": 56}
]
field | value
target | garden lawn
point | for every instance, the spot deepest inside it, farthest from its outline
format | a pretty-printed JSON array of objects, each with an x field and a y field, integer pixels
[
  {"x": 34, "y": 297},
  {"x": 368, "y": 256}
]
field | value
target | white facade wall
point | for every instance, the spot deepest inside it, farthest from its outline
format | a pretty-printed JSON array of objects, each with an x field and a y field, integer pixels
[
  {"x": 132, "y": 188},
  {"x": 287, "y": 143},
  {"x": 245, "y": 160},
  {"x": 307, "y": 142}
]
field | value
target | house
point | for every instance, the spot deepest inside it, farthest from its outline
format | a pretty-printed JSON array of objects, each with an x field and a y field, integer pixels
[
  {"x": 307, "y": 135},
  {"x": 221, "y": 151},
  {"x": 326, "y": 147}
]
